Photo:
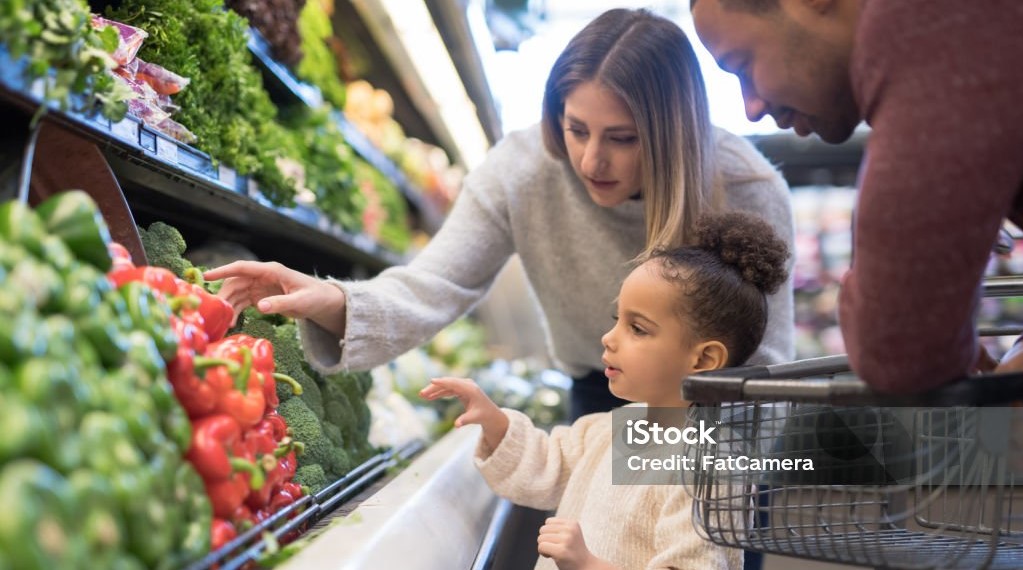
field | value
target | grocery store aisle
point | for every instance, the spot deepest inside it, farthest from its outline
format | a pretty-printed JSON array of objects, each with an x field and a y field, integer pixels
[{"x": 774, "y": 562}]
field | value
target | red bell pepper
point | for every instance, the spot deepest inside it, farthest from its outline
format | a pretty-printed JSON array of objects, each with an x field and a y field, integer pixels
[
  {"x": 263, "y": 362},
  {"x": 221, "y": 532},
  {"x": 239, "y": 393},
  {"x": 243, "y": 518},
  {"x": 158, "y": 278},
  {"x": 218, "y": 313},
  {"x": 226, "y": 495},
  {"x": 282, "y": 465},
  {"x": 120, "y": 257},
  {"x": 276, "y": 424},
  {"x": 220, "y": 457},
  {"x": 186, "y": 370},
  {"x": 216, "y": 449}
]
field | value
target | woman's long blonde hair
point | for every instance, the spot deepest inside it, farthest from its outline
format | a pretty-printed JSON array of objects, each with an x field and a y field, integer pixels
[{"x": 648, "y": 61}]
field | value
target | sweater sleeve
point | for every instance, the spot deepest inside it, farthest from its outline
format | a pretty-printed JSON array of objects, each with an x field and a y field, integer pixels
[
  {"x": 678, "y": 544},
  {"x": 753, "y": 185},
  {"x": 404, "y": 306},
  {"x": 941, "y": 172},
  {"x": 531, "y": 467}
]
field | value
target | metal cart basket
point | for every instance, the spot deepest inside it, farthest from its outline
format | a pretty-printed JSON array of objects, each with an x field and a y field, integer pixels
[{"x": 896, "y": 482}]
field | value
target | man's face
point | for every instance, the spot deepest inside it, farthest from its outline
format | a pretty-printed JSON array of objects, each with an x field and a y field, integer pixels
[{"x": 792, "y": 63}]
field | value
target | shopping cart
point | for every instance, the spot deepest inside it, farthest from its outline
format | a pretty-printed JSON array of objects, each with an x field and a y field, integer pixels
[{"x": 898, "y": 482}]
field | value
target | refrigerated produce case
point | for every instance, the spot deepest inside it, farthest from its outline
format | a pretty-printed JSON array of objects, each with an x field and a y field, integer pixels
[{"x": 139, "y": 175}]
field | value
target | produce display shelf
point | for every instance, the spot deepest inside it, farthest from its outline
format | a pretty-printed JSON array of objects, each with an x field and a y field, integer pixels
[
  {"x": 301, "y": 516},
  {"x": 397, "y": 526},
  {"x": 286, "y": 89},
  {"x": 148, "y": 158}
]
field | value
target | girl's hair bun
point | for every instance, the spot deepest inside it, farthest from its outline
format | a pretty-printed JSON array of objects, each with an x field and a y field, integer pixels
[{"x": 748, "y": 243}]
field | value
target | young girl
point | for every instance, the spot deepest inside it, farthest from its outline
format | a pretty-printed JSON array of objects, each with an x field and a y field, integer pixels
[{"x": 680, "y": 312}]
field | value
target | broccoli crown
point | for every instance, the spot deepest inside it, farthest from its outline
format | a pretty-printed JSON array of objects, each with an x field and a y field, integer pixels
[
  {"x": 165, "y": 247},
  {"x": 305, "y": 427},
  {"x": 336, "y": 407},
  {"x": 288, "y": 359},
  {"x": 333, "y": 433},
  {"x": 351, "y": 386},
  {"x": 250, "y": 323},
  {"x": 339, "y": 463},
  {"x": 312, "y": 476}
]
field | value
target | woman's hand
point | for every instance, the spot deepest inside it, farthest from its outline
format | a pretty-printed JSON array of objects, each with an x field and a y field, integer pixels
[
  {"x": 274, "y": 288},
  {"x": 562, "y": 540},
  {"x": 479, "y": 408}
]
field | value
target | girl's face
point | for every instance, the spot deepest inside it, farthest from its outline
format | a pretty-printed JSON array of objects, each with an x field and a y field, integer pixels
[
  {"x": 650, "y": 350},
  {"x": 603, "y": 143}
]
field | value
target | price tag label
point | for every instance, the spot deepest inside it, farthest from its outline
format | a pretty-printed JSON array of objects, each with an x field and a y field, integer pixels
[
  {"x": 126, "y": 130},
  {"x": 167, "y": 150},
  {"x": 228, "y": 177}
]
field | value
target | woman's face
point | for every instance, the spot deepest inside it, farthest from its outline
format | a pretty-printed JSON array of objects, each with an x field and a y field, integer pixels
[{"x": 603, "y": 143}]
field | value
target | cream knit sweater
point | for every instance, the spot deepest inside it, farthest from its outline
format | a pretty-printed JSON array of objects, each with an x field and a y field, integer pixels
[{"x": 632, "y": 526}]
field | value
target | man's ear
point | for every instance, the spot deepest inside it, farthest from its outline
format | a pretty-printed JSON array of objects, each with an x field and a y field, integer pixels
[{"x": 709, "y": 355}]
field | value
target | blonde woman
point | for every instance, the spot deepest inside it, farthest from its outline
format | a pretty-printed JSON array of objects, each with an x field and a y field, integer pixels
[{"x": 623, "y": 162}]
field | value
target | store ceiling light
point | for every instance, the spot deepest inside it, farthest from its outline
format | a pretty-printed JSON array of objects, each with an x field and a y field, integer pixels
[{"x": 425, "y": 47}]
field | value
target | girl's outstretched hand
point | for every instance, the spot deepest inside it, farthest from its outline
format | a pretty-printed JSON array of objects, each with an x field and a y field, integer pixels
[
  {"x": 274, "y": 288},
  {"x": 479, "y": 408},
  {"x": 562, "y": 540}
]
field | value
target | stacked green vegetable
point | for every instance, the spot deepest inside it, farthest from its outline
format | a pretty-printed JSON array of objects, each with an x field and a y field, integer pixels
[
  {"x": 385, "y": 214},
  {"x": 330, "y": 416},
  {"x": 328, "y": 162},
  {"x": 225, "y": 104},
  {"x": 65, "y": 53},
  {"x": 319, "y": 65},
  {"x": 91, "y": 459}
]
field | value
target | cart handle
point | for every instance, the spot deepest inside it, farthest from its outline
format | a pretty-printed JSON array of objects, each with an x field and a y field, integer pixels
[{"x": 802, "y": 381}]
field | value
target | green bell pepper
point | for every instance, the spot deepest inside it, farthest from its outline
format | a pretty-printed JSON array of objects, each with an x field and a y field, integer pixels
[
  {"x": 153, "y": 518},
  {"x": 21, "y": 337},
  {"x": 24, "y": 427},
  {"x": 192, "y": 539},
  {"x": 107, "y": 445},
  {"x": 150, "y": 316},
  {"x": 56, "y": 253},
  {"x": 41, "y": 284},
  {"x": 36, "y": 522},
  {"x": 84, "y": 289},
  {"x": 20, "y": 225},
  {"x": 74, "y": 217},
  {"x": 99, "y": 520},
  {"x": 103, "y": 331}
]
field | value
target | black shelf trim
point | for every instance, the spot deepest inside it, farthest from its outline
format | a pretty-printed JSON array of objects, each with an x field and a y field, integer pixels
[{"x": 188, "y": 174}]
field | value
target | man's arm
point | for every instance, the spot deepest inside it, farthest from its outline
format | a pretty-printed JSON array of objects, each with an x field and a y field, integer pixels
[{"x": 942, "y": 171}]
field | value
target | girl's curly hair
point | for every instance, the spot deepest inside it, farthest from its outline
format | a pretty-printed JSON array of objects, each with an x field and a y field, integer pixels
[{"x": 724, "y": 278}]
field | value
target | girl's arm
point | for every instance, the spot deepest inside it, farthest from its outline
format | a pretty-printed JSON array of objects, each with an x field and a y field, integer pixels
[{"x": 479, "y": 408}]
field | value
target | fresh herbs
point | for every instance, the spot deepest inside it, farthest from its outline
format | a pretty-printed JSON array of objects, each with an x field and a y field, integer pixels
[
  {"x": 319, "y": 65},
  {"x": 225, "y": 105}
]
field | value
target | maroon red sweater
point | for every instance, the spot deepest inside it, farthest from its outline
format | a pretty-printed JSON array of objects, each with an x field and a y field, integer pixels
[{"x": 941, "y": 84}]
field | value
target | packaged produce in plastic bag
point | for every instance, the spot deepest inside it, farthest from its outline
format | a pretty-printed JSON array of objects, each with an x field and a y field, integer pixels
[
  {"x": 161, "y": 80},
  {"x": 129, "y": 42}
]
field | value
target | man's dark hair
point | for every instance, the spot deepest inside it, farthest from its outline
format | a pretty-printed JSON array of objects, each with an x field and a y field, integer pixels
[{"x": 751, "y": 6}]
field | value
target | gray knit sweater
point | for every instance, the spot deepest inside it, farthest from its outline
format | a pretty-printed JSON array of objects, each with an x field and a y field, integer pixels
[{"x": 575, "y": 253}]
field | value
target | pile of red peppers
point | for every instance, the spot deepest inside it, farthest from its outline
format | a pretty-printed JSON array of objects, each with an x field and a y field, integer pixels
[{"x": 227, "y": 384}]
